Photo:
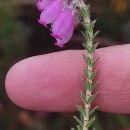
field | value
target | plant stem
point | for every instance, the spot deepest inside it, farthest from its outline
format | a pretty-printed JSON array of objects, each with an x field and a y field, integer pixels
[
  {"x": 86, "y": 118},
  {"x": 89, "y": 70}
]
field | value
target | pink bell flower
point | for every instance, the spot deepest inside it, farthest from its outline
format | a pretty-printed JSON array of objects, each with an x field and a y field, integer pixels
[
  {"x": 41, "y": 4},
  {"x": 63, "y": 27},
  {"x": 51, "y": 12}
]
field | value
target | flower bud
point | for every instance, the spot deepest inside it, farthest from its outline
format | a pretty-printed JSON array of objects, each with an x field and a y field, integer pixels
[
  {"x": 51, "y": 12},
  {"x": 63, "y": 27},
  {"x": 41, "y": 4}
]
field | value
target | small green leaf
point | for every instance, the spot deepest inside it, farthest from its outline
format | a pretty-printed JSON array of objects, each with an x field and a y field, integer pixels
[
  {"x": 88, "y": 36},
  {"x": 84, "y": 84},
  {"x": 85, "y": 58},
  {"x": 89, "y": 48},
  {"x": 95, "y": 85},
  {"x": 95, "y": 45},
  {"x": 79, "y": 127},
  {"x": 84, "y": 25},
  {"x": 93, "y": 110},
  {"x": 81, "y": 110},
  {"x": 88, "y": 27},
  {"x": 84, "y": 34},
  {"x": 93, "y": 75},
  {"x": 85, "y": 46},
  {"x": 84, "y": 12},
  {"x": 83, "y": 98},
  {"x": 86, "y": 74},
  {"x": 78, "y": 121},
  {"x": 87, "y": 9},
  {"x": 92, "y": 25},
  {"x": 81, "y": 117},
  {"x": 89, "y": 62},
  {"x": 88, "y": 86},
  {"x": 95, "y": 34},
  {"x": 95, "y": 61},
  {"x": 90, "y": 122},
  {"x": 91, "y": 98},
  {"x": 93, "y": 48}
]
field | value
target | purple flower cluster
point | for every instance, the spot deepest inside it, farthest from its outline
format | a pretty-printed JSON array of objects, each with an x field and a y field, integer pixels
[{"x": 61, "y": 17}]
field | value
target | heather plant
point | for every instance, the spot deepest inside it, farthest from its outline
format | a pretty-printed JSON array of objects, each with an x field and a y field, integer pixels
[
  {"x": 64, "y": 15},
  {"x": 51, "y": 82}
]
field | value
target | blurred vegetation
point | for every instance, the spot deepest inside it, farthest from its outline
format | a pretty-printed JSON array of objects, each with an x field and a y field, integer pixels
[{"x": 21, "y": 36}]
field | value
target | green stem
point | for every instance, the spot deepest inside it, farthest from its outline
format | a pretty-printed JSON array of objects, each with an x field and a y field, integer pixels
[
  {"x": 89, "y": 69},
  {"x": 86, "y": 118}
]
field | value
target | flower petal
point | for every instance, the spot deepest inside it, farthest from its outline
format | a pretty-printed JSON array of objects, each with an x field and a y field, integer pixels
[
  {"x": 51, "y": 12},
  {"x": 41, "y": 4},
  {"x": 63, "y": 27}
]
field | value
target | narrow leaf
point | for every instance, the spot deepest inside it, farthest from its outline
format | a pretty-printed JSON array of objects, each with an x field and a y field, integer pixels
[
  {"x": 84, "y": 84},
  {"x": 90, "y": 122},
  {"x": 95, "y": 61},
  {"x": 87, "y": 9},
  {"x": 81, "y": 110},
  {"x": 78, "y": 121},
  {"x": 93, "y": 24},
  {"x": 89, "y": 62},
  {"x": 93, "y": 48},
  {"x": 83, "y": 98},
  {"x": 84, "y": 34},
  {"x": 85, "y": 58},
  {"x": 93, "y": 75},
  {"x": 95, "y": 34},
  {"x": 88, "y": 86},
  {"x": 95, "y": 85},
  {"x": 81, "y": 117},
  {"x": 91, "y": 98},
  {"x": 87, "y": 27},
  {"x": 95, "y": 45},
  {"x": 79, "y": 127},
  {"x": 88, "y": 35},
  {"x": 86, "y": 47},
  {"x": 84, "y": 12},
  {"x": 92, "y": 111},
  {"x": 86, "y": 74},
  {"x": 84, "y": 25}
]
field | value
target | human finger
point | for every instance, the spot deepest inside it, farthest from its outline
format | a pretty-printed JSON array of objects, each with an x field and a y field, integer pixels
[{"x": 52, "y": 82}]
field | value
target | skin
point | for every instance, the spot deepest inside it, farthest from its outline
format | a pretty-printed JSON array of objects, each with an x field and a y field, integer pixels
[{"x": 52, "y": 82}]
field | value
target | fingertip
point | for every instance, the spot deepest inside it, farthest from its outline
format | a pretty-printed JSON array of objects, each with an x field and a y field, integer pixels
[
  {"x": 43, "y": 82},
  {"x": 52, "y": 82}
]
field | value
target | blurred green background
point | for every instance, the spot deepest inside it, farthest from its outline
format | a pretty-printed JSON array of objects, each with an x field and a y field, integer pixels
[{"x": 21, "y": 36}]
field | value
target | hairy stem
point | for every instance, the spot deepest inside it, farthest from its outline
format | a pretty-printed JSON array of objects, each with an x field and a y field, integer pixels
[
  {"x": 89, "y": 70},
  {"x": 86, "y": 118}
]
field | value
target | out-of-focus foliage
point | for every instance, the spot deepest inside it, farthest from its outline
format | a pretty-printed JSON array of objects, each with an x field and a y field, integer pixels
[
  {"x": 119, "y": 5},
  {"x": 113, "y": 16},
  {"x": 12, "y": 48},
  {"x": 12, "y": 34}
]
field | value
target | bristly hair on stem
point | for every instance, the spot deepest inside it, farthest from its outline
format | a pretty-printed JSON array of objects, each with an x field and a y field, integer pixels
[{"x": 86, "y": 113}]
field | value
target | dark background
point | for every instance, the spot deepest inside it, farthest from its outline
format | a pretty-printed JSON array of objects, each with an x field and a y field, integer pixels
[{"x": 21, "y": 36}]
